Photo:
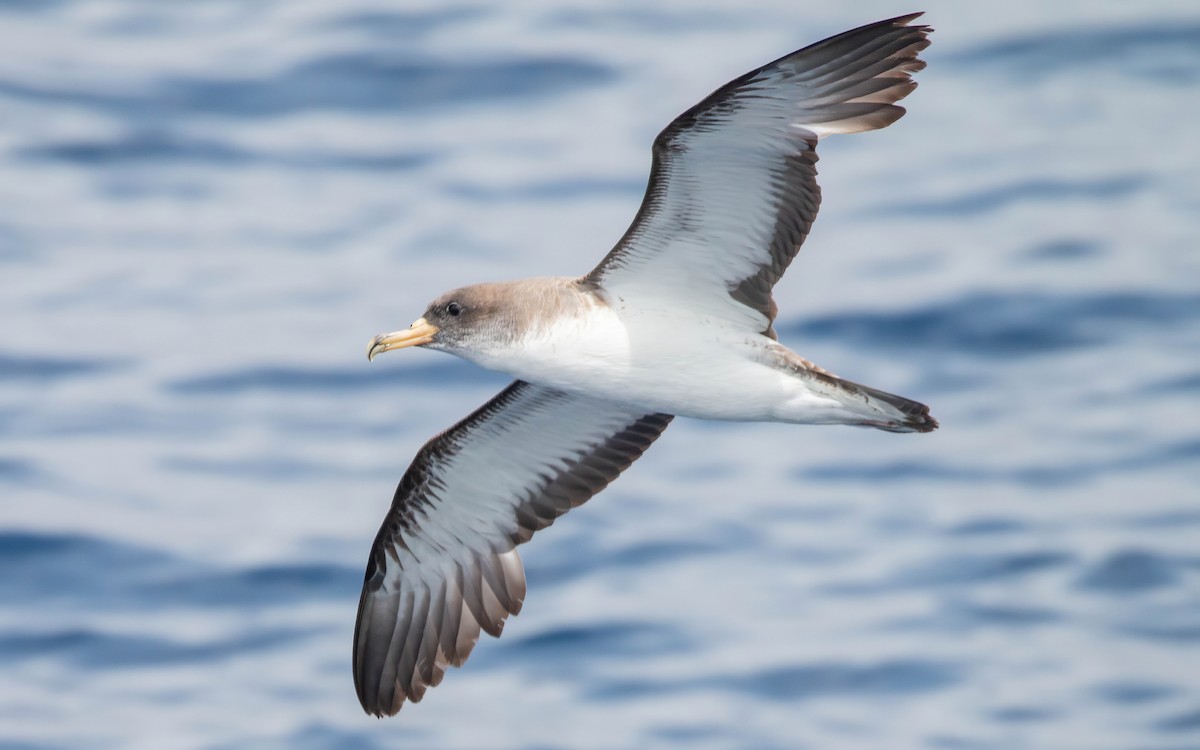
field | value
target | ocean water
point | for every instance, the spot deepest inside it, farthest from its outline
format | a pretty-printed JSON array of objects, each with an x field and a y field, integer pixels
[{"x": 208, "y": 208}]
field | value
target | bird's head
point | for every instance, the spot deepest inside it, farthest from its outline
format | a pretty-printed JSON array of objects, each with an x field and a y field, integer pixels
[{"x": 458, "y": 322}]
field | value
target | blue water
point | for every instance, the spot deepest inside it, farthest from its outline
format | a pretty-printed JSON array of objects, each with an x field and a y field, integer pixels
[{"x": 208, "y": 208}]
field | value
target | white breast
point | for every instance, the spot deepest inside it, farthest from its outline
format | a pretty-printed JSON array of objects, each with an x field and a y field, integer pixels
[{"x": 658, "y": 359}]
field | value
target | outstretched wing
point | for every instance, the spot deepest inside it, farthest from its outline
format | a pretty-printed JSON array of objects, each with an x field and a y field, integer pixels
[
  {"x": 444, "y": 565},
  {"x": 733, "y": 187}
]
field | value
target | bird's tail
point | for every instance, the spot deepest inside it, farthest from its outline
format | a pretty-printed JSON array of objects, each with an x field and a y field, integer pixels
[
  {"x": 900, "y": 414},
  {"x": 859, "y": 405}
]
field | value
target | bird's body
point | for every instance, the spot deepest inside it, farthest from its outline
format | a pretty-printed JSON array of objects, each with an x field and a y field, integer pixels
[
  {"x": 678, "y": 319},
  {"x": 645, "y": 351}
]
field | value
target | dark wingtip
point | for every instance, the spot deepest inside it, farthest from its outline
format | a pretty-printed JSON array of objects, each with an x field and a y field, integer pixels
[{"x": 907, "y": 19}]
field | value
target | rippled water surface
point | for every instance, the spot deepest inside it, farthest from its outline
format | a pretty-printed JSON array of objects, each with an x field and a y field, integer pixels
[{"x": 207, "y": 208}]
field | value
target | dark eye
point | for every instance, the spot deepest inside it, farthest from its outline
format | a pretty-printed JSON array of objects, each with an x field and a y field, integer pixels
[{"x": 454, "y": 308}]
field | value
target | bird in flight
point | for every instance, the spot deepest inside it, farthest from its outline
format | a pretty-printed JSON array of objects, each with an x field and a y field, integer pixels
[{"x": 676, "y": 320}]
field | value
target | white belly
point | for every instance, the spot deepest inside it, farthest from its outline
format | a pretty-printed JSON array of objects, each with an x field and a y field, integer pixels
[{"x": 658, "y": 361}]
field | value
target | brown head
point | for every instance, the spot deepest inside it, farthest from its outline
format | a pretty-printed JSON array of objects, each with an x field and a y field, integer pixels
[{"x": 477, "y": 317}]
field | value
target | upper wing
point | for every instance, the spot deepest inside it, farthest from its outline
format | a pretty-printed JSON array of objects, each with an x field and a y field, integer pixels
[
  {"x": 733, "y": 188},
  {"x": 444, "y": 563}
]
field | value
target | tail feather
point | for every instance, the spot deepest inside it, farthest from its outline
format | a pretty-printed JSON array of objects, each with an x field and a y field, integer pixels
[
  {"x": 913, "y": 416},
  {"x": 863, "y": 405}
]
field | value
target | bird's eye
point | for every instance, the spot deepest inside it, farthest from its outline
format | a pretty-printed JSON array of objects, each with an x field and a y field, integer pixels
[{"x": 454, "y": 308}]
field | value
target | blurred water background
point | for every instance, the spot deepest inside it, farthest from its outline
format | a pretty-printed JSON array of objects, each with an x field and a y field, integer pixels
[{"x": 207, "y": 208}]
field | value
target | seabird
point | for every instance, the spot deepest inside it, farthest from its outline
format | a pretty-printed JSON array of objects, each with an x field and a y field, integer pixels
[{"x": 676, "y": 320}]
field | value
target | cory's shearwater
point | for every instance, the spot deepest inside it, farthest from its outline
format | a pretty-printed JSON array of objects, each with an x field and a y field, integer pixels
[{"x": 676, "y": 320}]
